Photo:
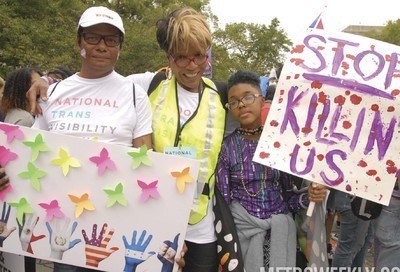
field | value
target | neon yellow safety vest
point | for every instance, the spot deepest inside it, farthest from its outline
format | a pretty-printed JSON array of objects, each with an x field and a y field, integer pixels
[{"x": 204, "y": 131}]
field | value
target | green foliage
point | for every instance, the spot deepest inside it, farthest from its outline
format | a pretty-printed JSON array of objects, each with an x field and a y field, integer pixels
[
  {"x": 42, "y": 33},
  {"x": 390, "y": 33},
  {"x": 249, "y": 46}
]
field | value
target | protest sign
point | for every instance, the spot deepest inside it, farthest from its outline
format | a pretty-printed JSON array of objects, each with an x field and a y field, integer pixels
[
  {"x": 93, "y": 204},
  {"x": 335, "y": 115}
]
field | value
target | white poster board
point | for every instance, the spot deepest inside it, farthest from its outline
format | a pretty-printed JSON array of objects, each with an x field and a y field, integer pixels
[
  {"x": 70, "y": 184},
  {"x": 335, "y": 115}
]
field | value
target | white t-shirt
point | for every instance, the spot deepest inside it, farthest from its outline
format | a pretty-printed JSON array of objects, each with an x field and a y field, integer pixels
[
  {"x": 100, "y": 108},
  {"x": 204, "y": 231}
]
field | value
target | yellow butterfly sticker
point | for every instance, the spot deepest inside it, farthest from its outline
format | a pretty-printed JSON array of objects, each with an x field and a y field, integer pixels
[
  {"x": 82, "y": 203},
  {"x": 65, "y": 161},
  {"x": 182, "y": 178}
]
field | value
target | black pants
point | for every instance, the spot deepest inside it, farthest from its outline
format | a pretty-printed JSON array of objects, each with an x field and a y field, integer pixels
[{"x": 201, "y": 257}]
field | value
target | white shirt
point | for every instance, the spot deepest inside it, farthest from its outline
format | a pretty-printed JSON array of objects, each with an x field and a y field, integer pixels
[{"x": 100, "y": 108}]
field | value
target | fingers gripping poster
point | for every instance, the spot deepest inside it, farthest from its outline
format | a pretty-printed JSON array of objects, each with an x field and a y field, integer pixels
[
  {"x": 335, "y": 115},
  {"x": 93, "y": 204}
]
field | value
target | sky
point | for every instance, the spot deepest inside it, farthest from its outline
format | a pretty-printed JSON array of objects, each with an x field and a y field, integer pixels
[{"x": 296, "y": 16}]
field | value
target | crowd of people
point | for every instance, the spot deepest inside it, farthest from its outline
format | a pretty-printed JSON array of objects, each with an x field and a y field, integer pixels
[{"x": 260, "y": 201}]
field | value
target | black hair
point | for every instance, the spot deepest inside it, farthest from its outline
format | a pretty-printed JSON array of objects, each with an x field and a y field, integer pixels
[
  {"x": 17, "y": 84},
  {"x": 270, "y": 92},
  {"x": 60, "y": 72},
  {"x": 243, "y": 76},
  {"x": 163, "y": 37}
]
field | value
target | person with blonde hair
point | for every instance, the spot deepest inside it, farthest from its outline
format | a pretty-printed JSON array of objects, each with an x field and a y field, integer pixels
[{"x": 188, "y": 114}]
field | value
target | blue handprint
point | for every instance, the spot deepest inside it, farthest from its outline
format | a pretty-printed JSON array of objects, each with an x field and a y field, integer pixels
[
  {"x": 167, "y": 254},
  {"x": 135, "y": 252}
]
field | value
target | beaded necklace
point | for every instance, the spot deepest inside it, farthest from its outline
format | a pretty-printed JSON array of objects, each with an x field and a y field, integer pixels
[
  {"x": 242, "y": 178},
  {"x": 249, "y": 131}
]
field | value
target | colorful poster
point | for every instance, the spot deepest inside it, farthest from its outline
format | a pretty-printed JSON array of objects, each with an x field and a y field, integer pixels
[
  {"x": 335, "y": 115},
  {"x": 93, "y": 204}
]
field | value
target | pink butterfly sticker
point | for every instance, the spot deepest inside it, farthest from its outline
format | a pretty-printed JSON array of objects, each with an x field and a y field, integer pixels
[
  {"x": 6, "y": 155},
  {"x": 12, "y": 132},
  {"x": 103, "y": 162},
  {"x": 52, "y": 210},
  {"x": 5, "y": 191},
  {"x": 148, "y": 190}
]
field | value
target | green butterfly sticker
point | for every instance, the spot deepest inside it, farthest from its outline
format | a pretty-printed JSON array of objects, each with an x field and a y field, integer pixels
[
  {"x": 34, "y": 174},
  {"x": 116, "y": 196},
  {"x": 37, "y": 146},
  {"x": 22, "y": 207},
  {"x": 140, "y": 157}
]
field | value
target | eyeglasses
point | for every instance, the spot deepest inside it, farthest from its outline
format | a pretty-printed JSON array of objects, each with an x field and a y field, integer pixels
[
  {"x": 246, "y": 100},
  {"x": 182, "y": 61},
  {"x": 109, "y": 40}
]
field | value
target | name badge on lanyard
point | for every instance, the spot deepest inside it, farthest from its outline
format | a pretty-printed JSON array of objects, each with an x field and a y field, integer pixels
[{"x": 182, "y": 151}]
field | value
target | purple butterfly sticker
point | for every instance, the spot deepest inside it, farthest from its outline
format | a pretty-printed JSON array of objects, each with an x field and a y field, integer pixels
[
  {"x": 103, "y": 162},
  {"x": 52, "y": 210},
  {"x": 6, "y": 155},
  {"x": 12, "y": 132},
  {"x": 148, "y": 190}
]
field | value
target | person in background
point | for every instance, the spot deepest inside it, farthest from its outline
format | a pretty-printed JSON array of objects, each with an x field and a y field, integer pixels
[
  {"x": 355, "y": 235},
  {"x": 4, "y": 179},
  {"x": 267, "y": 104},
  {"x": 2, "y": 82},
  {"x": 60, "y": 73},
  {"x": 261, "y": 198},
  {"x": 17, "y": 111},
  {"x": 14, "y": 103},
  {"x": 387, "y": 233}
]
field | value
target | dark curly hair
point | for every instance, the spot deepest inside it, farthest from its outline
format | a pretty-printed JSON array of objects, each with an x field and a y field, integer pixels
[
  {"x": 243, "y": 76},
  {"x": 17, "y": 84}
]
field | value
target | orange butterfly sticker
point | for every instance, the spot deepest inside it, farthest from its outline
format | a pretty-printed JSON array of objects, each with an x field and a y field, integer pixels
[
  {"x": 82, "y": 203},
  {"x": 182, "y": 178}
]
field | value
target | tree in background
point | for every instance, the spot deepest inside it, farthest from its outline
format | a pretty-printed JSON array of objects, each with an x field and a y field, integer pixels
[
  {"x": 390, "y": 33},
  {"x": 43, "y": 33},
  {"x": 251, "y": 46}
]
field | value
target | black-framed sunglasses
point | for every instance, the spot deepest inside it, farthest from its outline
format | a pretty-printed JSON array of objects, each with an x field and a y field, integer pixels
[
  {"x": 183, "y": 61},
  {"x": 109, "y": 40},
  {"x": 246, "y": 100}
]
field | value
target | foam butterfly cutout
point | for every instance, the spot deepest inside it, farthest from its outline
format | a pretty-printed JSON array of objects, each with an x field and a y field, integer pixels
[
  {"x": 22, "y": 207},
  {"x": 52, "y": 210},
  {"x": 34, "y": 174},
  {"x": 65, "y": 161},
  {"x": 116, "y": 196},
  {"x": 12, "y": 132},
  {"x": 37, "y": 146},
  {"x": 182, "y": 178},
  {"x": 6, "y": 155},
  {"x": 148, "y": 190},
  {"x": 103, "y": 162},
  {"x": 82, "y": 203},
  {"x": 140, "y": 157}
]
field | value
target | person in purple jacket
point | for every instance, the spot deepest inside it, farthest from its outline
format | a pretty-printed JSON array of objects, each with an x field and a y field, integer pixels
[{"x": 260, "y": 198}]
